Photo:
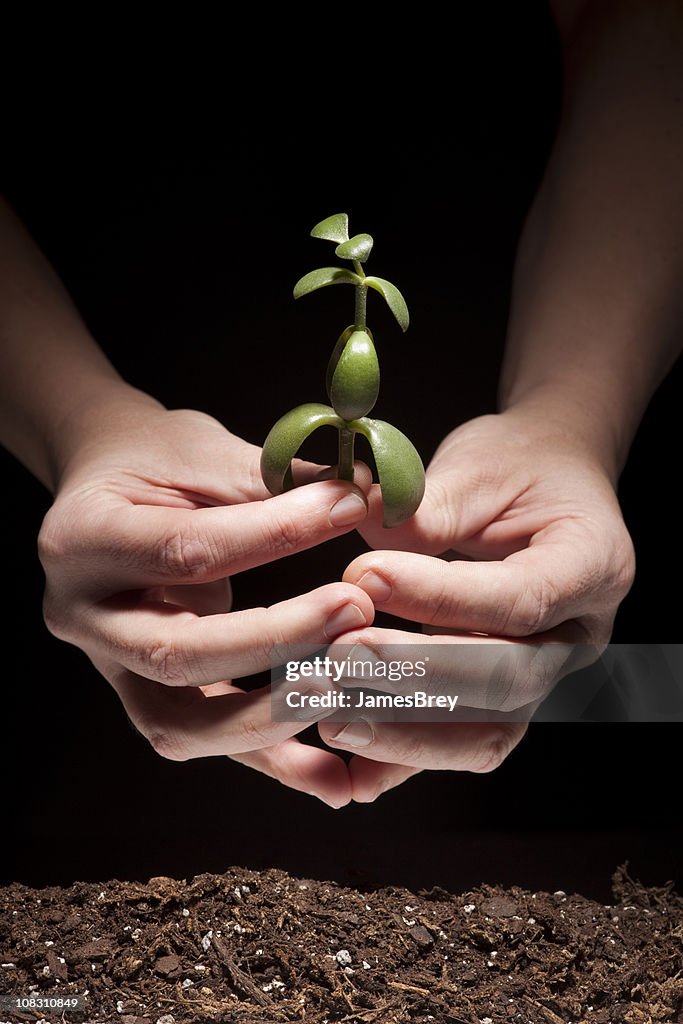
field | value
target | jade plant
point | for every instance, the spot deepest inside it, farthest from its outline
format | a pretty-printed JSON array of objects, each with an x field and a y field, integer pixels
[{"x": 352, "y": 387}]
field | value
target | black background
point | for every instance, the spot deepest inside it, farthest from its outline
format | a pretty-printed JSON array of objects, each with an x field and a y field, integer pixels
[{"x": 180, "y": 222}]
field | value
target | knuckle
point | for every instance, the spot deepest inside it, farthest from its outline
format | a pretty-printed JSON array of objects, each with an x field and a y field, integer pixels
[
  {"x": 439, "y": 497},
  {"x": 267, "y": 637},
  {"x": 532, "y": 609},
  {"x": 252, "y": 736},
  {"x": 168, "y": 743},
  {"x": 407, "y": 744},
  {"x": 168, "y": 663},
  {"x": 492, "y": 751},
  {"x": 181, "y": 554},
  {"x": 526, "y": 674},
  {"x": 56, "y": 617},
  {"x": 441, "y": 609},
  {"x": 54, "y": 538},
  {"x": 625, "y": 563},
  {"x": 284, "y": 533}
]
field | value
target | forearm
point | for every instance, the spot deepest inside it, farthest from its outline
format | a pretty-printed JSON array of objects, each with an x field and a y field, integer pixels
[
  {"x": 596, "y": 317},
  {"x": 55, "y": 382}
]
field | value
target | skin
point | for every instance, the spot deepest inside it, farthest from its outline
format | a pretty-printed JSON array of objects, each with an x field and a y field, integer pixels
[
  {"x": 595, "y": 324},
  {"x": 520, "y": 535}
]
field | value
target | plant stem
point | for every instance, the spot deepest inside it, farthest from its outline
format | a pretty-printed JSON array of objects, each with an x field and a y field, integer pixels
[
  {"x": 361, "y": 303},
  {"x": 346, "y": 441}
]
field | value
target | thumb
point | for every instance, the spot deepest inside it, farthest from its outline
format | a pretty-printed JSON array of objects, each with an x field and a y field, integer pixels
[{"x": 430, "y": 531}]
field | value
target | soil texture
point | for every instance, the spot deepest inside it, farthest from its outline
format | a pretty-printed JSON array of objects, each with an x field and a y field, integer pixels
[{"x": 266, "y": 948}]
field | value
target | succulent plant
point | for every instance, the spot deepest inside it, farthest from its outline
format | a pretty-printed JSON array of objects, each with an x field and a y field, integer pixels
[{"x": 352, "y": 387}]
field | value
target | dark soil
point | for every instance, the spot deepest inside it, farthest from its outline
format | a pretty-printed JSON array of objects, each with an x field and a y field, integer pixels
[{"x": 265, "y": 947}]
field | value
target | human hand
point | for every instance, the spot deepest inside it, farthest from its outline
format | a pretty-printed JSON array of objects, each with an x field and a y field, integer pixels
[
  {"x": 153, "y": 512},
  {"x": 533, "y": 545}
]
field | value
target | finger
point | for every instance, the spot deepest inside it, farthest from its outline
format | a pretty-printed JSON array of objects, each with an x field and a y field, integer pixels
[
  {"x": 173, "y": 646},
  {"x": 429, "y": 530},
  {"x": 319, "y": 773},
  {"x": 151, "y": 545},
  {"x": 563, "y": 574},
  {"x": 369, "y": 779},
  {"x": 183, "y": 723},
  {"x": 450, "y": 672},
  {"x": 201, "y": 598},
  {"x": 469, "y": 746}
]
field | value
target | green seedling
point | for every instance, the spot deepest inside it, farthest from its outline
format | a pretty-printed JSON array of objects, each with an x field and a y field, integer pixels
[{"x": 352, "y": 387}]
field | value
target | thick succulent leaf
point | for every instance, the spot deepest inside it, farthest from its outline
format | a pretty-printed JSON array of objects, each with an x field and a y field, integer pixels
[
  {"x": 285, "y": 439},
  {"x": 355, "y": 380},
  {"x": 399, "y": 467},
  {"x": 357, "y": 248},
  {"x": 333, "y": 229},
  {"x": 336, "y": 353},
  {"x": 321, "y": 278},
  {"x": 394, "y": 299}
]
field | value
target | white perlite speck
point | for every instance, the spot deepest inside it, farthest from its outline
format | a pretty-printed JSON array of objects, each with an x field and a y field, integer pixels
[
  {"x": 206, "y": 942},
  {"x": 367, "y": 966},
  {"x": 167, "y": 1018},
  {"x": 343, "y": 956},
  {"x": 468, "y": 908}
]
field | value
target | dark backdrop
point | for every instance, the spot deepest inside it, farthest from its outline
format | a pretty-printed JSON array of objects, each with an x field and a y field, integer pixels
[{"x": 179, "y": 223}]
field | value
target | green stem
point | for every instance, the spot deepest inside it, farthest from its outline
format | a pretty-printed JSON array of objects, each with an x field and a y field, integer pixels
[
  {"x": 346, "y": 442},
  {"x": 361, "y": 304},
  {"x": 361, "y": 296}
]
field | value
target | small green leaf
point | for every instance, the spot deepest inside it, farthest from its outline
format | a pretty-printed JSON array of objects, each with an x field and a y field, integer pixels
[
  {"x": 399, "y": 467},
  {"x": 285, "y": 439},
  {"x": 354, "y": 383},
  {"x": 394, "y": 299},
  {"x": 321, "y": 278},
  {"x": 357, "y": 248},
  {"x": 333, "y": 229}
]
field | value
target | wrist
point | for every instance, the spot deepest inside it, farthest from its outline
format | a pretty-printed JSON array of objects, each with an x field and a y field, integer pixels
[
  {"x": 106, "y": 409},
  {"x": 574, "y": 420}
]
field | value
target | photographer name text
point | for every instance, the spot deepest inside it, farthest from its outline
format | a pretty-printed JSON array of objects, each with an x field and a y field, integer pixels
[{"x": 362, "y": 699}]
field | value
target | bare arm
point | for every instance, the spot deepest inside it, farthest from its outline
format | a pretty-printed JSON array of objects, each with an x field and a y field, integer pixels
[
  {"x": 52, "y": 374},
  {"x": 525, "y": 500},
  {"x": 597, "y": 316},
  {"x": 153, "y": 511}
]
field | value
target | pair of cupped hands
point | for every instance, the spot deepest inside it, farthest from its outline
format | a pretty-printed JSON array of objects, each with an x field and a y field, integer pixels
[{"x": 519, "y": 537}]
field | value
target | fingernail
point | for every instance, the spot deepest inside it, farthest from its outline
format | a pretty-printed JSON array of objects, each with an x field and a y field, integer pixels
[
  {"x": 309, "y": 712},
  {"x": 334, "y": 804},
  {"x": 356, "y": 734},
  {"x": 376, "y": 587},
  {"x": 349, "y": 509},
  {"x": 361, "y": 663},
  {"x": 348, "y": 617}
]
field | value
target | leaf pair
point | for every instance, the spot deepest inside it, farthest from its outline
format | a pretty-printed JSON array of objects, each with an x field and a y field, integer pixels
[
  {"x": 340, "y": 275},
  {"x": 399, "y": 467}
]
